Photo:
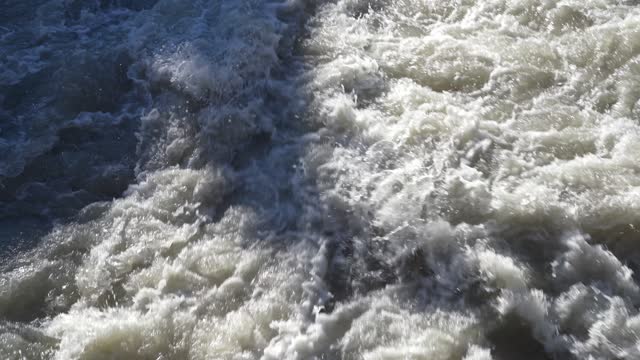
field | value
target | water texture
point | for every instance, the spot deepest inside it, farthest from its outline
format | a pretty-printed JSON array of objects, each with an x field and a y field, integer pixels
[{"x": 299, "y": 179}]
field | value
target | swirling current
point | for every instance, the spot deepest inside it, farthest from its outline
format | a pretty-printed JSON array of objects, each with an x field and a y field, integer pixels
[{"x": 308, "y": 179}]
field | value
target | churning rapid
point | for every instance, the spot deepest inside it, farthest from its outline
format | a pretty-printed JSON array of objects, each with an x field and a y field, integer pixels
[{"x": 347, "y": 179}]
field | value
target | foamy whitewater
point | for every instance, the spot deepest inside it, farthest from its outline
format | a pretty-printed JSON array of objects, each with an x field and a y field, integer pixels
[{"x": 293, "y": 179}]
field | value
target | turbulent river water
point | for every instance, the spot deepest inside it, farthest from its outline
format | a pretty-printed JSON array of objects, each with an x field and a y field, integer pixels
[{"x": 347, "y": 179}]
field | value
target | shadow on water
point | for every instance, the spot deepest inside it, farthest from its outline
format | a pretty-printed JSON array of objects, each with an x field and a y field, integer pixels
[
  {"x": 68, "y": 116},
  {"x": 72, "y": 137}
]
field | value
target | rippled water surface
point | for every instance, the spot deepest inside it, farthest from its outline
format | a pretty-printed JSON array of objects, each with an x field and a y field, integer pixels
[{"x": 299, "y": 179}]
